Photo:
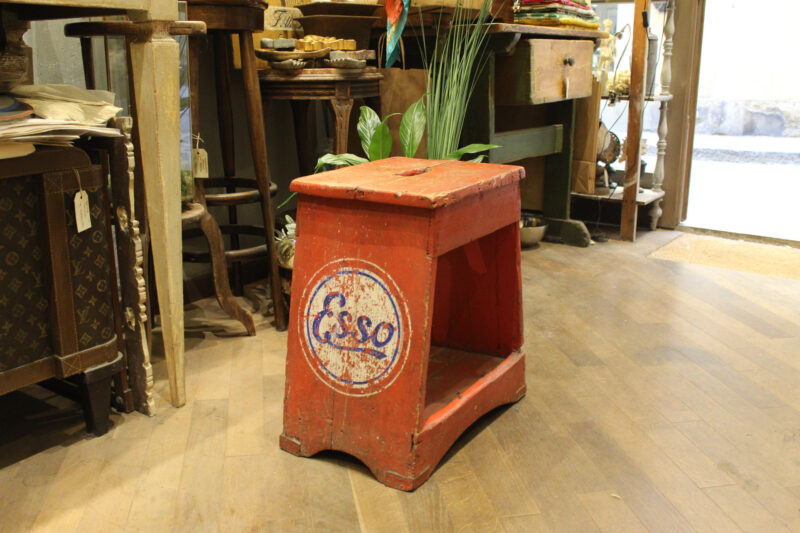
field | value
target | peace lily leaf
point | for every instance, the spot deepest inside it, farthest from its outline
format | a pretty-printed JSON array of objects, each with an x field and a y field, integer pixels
[
  {"x": 478, "y": 159},
  {"x": 380, "y": 147},
  {"x": 470, "y": 149},
  {"x": 339, "y": 160},
  {"x": 367, "y": 122},
  {"x": 412, "y": 127}
]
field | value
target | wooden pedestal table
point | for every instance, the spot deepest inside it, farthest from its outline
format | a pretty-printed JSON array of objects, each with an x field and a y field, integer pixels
[
  {"x": 340, "y": 87},
  {"x": 406, "y": 321},
  {"x": 155, "y": 68}
]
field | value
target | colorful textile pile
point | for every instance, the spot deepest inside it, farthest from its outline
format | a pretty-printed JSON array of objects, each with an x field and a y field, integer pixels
[{"x": 574, "y": 14}]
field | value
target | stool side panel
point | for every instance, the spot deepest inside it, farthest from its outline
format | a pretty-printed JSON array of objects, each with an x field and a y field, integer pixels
[
  {"x": 393, "y": 227},
  {"x": 378, "y": 429},
  {"x": 475, "y": 217},
  {"x": 504, "y": 385},
  {"x": 478, "y": 302}
]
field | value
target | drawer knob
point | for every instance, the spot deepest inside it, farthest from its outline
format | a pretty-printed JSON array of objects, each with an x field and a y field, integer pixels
[{"x": 569, "y": 60}]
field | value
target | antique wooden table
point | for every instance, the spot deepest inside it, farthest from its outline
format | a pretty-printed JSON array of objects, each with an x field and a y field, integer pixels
[
  {"x": 340, "y": 87},
  {"x": 155, "y": 68}
]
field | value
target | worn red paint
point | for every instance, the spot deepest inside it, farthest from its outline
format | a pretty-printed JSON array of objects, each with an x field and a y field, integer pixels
[{"x": 406, "y": 316}]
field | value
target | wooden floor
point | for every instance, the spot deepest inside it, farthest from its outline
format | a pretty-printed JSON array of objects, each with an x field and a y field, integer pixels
[{"x": 661, "y": 397}]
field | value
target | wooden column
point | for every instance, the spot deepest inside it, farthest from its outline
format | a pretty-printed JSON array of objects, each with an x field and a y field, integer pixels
[
  {"x": 685, "y": 65},
  {"x": 635, "y": 110},
  {"x": 155, "y": 62}
]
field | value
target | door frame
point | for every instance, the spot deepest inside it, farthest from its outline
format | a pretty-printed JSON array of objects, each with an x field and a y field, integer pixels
[{"x": 689, "y": 19}]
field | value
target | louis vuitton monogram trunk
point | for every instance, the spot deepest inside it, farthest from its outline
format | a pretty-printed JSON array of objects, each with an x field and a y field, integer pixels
[{"x": 58, "y": 316}]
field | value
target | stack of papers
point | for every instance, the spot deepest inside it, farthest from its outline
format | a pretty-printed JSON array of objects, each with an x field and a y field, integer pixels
[
  {"x": 61, "y": 115},
  {"x": 66, "y": 102}
]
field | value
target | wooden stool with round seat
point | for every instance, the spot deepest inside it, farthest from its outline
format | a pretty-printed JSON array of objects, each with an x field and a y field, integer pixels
[
  {"x": 221, "y": 19},
  {"x": 224, "y": 18},
  {"x": 195, "y": 212}
]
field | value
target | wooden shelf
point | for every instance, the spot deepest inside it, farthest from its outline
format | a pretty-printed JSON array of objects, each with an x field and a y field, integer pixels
[
  {"x": 451, "y": 372},
  {"x": 645, "y": 196},
  {"x": 654, "y": 98},
  {"x": 516, "y": 145},
  {"x": 525, "y": 31},
  {"x": 531, "y": 30}
]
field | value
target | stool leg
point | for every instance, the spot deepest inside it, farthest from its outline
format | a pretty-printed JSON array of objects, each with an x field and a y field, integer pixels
[
  {"x": 209, "y": 226},
  {"x": 222, "y": 76},
  {"x": 342, "y": 108},
  {"x": 222, "y": 287},
  {"x": 88, "y": 62},
  {"x": 258, "y": 142}
]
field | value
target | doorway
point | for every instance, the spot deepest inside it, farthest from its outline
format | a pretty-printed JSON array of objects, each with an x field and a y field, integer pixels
[{"x": 745, "y": 171}]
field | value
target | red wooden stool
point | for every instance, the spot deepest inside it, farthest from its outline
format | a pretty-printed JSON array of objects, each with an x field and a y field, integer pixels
[{"x": 406, "y": 313}]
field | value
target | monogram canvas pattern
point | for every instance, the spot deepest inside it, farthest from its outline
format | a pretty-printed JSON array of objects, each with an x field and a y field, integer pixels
[
  {"x": 24, "y": 303},
  {"x": 89, "y": 262}
]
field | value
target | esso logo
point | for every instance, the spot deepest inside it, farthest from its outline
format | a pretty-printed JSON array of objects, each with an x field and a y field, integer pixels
[{"x": 354, "y": 327}]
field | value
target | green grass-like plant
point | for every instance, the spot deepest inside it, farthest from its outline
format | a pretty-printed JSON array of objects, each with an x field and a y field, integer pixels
[{"x": 453, "y": 66}]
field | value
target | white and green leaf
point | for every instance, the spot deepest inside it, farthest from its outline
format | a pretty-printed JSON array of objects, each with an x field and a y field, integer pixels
[
  {"x": 338, "y": 160},
  {"x": 412, "y": 128},
  {"x": 380, "y": 147},
  {"x": 368, "y": 121}
]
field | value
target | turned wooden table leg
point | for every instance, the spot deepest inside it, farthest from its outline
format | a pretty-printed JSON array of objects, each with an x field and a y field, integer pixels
[
  {"x": 155, "y": 62},
  {"x": 258, "y": 141},
  {"x": 342, "y": 107}
]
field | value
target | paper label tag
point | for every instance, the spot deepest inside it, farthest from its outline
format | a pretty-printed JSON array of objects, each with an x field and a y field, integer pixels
[
  {"x": 199, "y": 163},
  {"x": 83, "y": 219}
]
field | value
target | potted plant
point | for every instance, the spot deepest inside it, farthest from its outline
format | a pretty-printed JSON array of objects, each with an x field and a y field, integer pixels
[{"x": 376, "y": 139}]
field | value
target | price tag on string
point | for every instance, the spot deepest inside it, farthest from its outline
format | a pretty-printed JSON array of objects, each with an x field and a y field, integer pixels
[
  {"x": 199, "y": 160},
  {"x": 83, "y": 216}
]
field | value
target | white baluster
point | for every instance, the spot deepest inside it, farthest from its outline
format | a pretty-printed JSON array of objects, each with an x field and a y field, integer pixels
[
  {"x": 669, "y": 33},
  {"x": 666, "y": 81}
]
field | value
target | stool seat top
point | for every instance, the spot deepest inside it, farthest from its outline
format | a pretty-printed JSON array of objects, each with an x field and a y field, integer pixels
[{"x": 422, "y": 183}]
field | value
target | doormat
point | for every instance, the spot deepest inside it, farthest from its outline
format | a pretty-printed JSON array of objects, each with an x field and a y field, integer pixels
[{"x": 742, "y": 256}]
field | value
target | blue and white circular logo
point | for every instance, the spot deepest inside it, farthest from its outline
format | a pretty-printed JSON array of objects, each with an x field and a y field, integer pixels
[{"x": 354, "y": 327}]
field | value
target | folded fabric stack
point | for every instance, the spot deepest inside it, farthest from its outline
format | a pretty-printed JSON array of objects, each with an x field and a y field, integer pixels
[{"x": 574, "y": 14}]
